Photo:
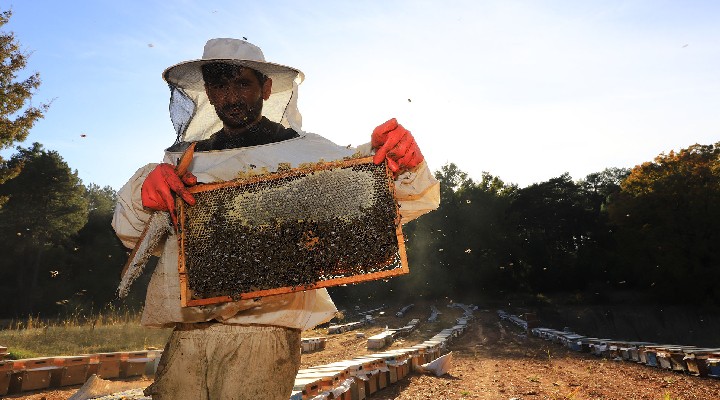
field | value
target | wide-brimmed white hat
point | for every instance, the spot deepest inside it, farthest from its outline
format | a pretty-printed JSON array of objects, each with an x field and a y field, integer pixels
[{"x": 187, "y": 75}]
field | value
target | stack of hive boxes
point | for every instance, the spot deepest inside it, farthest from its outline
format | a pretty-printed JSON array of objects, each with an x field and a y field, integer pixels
[
  {"x": 380, "y": 340},
  {"x": 40, "y": 373},
  {"x": 309, "y": 345}
]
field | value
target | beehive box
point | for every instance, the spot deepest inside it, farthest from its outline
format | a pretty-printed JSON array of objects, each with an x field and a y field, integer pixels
[
  {"x": 309, "y": 345},
  {"x": 93, "y": 364},
  {"x": 677, "y": 358},
  {"x": 414, "y": 356},
  {"x": 662, "y": 355},
  {"x": 344, "y": 327},
  {"x": 403, "y": 361},
  {"x": 134, "y": 363},
  {"x": 109, "y": 364},
  {"x": 358, "y": 370},
  {"x": 696, "y": 360},
  {"x": 307, "y": 386},
  {"x": 6, "y": 369},
  {"x": 151, "y": 366},
  {"x": 337, "y": 380},
  {"x": 13, "y": 370},
  {"x": 394, "y": 362},
  {"x": 380, "y": 340},
  {"x": 372, "y": 369},
  {"x": 73, "y": 370},
  {"x": 324, "y": 225},
  {"x": 316, "y": 380},
  {"x": 33, "y": 374},
  {"x": 379, "y": 373},
  {"x": 713, "y": 366},
  {"x": 651, "y": 356}
]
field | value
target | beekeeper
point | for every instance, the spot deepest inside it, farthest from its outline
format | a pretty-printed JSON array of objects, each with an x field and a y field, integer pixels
[{"x": 242, "y": 112}]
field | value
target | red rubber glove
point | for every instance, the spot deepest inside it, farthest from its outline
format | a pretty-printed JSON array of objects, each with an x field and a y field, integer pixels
[
  {"x": 156, "y": 191},
  {"x": 397, "y": 145}
]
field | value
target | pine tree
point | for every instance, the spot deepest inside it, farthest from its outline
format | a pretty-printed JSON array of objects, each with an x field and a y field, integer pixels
[
  {"x": 46, "y": 206},
  {"x": 17, "y": 113}
]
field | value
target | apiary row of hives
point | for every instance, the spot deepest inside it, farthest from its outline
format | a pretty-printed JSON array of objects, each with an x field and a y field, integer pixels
[
  {"x": 388, "y": 336},
  {"x": 17, "y": 376},
  {"x": 690, "y": 360},
  {"x": 362, "y": 376},
  {"x": 349, "y": 326},
  {"x": 340, "y": 328},
  {"x": 403, "y": 310}
]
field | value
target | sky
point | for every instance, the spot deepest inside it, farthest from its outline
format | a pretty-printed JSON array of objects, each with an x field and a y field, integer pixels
[{"x": 525, "y": 90}]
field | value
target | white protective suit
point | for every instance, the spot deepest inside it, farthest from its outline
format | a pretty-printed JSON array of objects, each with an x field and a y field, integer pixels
[{"x": 417, "y": 192}]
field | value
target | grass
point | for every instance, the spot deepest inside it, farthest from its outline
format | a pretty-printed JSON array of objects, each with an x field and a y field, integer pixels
[
  {"x": 79, "y": 333},
  {"x": 113, "y": 329}
]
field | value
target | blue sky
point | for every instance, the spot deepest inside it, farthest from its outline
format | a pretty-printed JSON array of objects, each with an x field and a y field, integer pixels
[{"x": 523, "y": 89}]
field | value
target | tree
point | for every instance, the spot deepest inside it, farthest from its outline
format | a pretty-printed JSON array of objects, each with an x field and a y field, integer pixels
[
  {"x": 46, "y": 205},
  {"x": 597, "y": 257},
  {"x": 463, "y": 247},
  {"x": 667, "y": 216},
  {"x": 91, "y": 274},
  {"x": 601, "y": 185},
  {"x": 481, "y": 241},
  {"x": 554, "y": 220},
  {"x": 430, "y": 241},
  {"x": 17, "y": 114}
]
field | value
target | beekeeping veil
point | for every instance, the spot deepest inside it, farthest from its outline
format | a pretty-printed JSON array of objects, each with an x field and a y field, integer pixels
[{"x": 193, "y": 116}]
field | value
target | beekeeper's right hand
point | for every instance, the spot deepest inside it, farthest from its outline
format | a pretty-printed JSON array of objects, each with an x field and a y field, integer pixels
[{"x": 161, "y": 183}]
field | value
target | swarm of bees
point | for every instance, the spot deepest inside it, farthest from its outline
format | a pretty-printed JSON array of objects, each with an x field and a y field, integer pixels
[{"x": 291, "y": 231}]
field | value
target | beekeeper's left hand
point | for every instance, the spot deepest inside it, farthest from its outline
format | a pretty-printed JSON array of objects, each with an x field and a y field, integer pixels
[{"x": 396, "y": 144}]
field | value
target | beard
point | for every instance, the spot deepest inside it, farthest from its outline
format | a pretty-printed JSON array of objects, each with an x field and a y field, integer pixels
[{"x": 240, "y": 115}]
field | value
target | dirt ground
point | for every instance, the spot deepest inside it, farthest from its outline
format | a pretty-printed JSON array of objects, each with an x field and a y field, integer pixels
[{"x": 496, "y": 360}]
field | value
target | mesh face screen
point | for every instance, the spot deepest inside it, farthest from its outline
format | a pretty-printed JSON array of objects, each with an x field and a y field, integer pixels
[{"x": 327, "y": 225}]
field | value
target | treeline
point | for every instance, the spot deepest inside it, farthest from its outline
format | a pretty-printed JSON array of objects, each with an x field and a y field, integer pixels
[
  {"x": 59, "y": 252},
  {"x": 651, "y": 230}
]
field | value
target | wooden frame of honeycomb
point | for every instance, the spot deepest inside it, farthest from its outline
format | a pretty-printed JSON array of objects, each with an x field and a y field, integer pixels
[{"x": 281, "y": 232}]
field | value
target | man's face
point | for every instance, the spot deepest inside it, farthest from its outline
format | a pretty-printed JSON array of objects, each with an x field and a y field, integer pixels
[{"x": 238, "y": 98}]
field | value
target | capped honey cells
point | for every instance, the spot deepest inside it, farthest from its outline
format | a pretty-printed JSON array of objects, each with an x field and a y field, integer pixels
[{"x": 325, "y": 225}]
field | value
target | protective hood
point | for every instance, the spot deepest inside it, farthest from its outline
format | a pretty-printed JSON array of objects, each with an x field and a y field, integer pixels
[{"x": 193, "y": 116}]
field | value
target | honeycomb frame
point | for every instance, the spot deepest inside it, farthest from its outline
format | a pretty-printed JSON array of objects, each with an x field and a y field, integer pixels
[{"x": 381, "y": 267}]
